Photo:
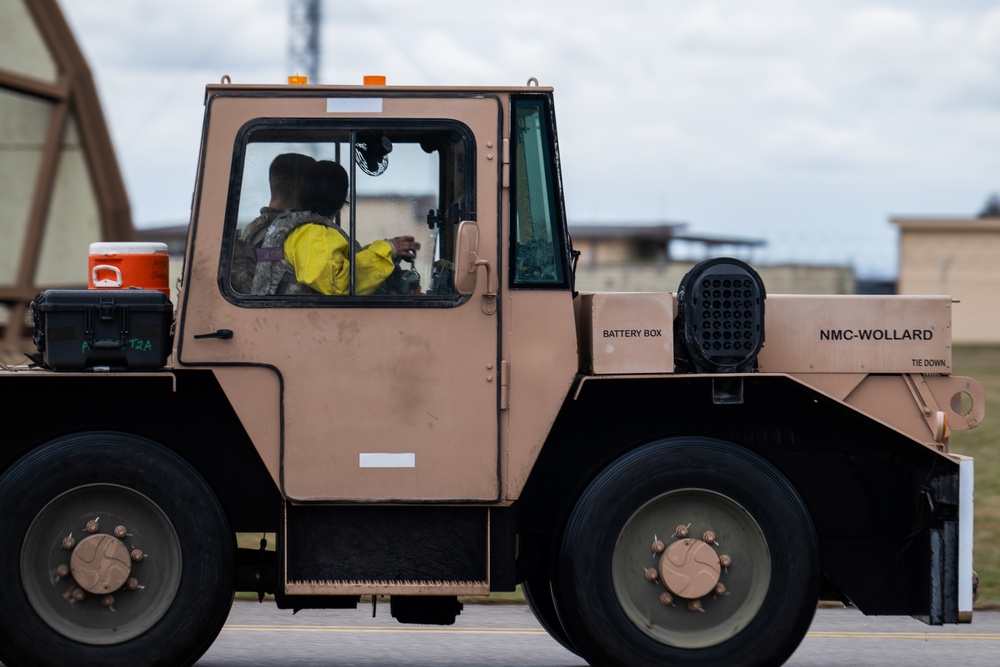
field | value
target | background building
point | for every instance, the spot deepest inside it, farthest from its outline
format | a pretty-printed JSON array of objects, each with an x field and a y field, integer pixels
[
  {"x": 643, "y": 258},
  {"x": 959, "y": 256}
]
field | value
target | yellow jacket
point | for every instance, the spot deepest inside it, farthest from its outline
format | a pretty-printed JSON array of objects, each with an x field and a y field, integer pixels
[{"x": 321, "y": 257}]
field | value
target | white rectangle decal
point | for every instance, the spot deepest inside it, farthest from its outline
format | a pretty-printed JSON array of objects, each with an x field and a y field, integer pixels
[
  {"x": 383, "y": 460},
  {"x": 354, "y": 105}
]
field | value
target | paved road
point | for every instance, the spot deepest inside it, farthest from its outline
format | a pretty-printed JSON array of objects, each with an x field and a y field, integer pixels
[{"x": 494, "y": 635}]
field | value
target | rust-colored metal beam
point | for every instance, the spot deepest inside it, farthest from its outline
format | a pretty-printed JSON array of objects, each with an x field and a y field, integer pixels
[
  {"x": 10, "y": 295},
  {"x": 44, "y": 181},
  {"x": 73, "y": 97},
  {"x": 31, "y": 247},
  {"x": 98, "y": 150},
  {"x": 34, "y": 87}
]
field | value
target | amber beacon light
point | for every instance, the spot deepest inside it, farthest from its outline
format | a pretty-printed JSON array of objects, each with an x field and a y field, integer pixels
[
  {"x": 374, "y": 80},
  {"x": 298, "y": 80}
]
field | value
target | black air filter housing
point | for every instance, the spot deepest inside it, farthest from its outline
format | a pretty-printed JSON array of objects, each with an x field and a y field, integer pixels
[{"x": 721, "y": 311}]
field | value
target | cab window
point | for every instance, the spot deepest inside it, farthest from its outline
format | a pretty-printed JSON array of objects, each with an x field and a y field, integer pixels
[
  {"x": 538, "y": 246},
  {"x": 365, "y": 212}
]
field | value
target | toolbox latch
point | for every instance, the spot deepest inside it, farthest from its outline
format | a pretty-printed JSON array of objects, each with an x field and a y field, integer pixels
[{"x": 107, "y": 310}]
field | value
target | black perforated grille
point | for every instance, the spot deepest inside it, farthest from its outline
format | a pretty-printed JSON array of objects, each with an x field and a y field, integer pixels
[
  {"x": 725, "y": 314},
  {"x": 722, "y": 303}
]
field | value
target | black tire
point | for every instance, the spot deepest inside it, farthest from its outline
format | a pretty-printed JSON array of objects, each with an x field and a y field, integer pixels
[
  {"x": 614, "y": 614},
  {"x": 537, "y": 591},
  {"x": 183, "y": 581}
]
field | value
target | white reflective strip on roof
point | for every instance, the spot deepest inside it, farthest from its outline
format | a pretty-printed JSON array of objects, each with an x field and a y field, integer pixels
[
  {"x": 354, "y": 105},
  {"x": 385, "y": 460}
]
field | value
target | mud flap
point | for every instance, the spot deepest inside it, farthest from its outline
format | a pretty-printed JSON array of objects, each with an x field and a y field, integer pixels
[
  {"x": 943, "y": 594},
  {"x": 950, "y": 559}
]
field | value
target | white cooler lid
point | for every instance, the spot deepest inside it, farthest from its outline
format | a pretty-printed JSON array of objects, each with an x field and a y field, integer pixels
[{"x": 128, "y": 248}]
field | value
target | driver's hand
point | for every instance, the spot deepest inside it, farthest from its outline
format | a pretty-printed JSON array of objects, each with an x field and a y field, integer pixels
[{"x": 406, "y": 247}]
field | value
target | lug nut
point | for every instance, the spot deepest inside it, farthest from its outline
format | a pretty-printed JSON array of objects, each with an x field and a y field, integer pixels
[
  {"x": 725, "y": 561},
  {"x": 651, "y": 574},
  {"x": 658, "y": 546},
  {"x": 709, "y": 537},
  {"x": 132, "y": 583},
  {"x": 93, "y": 526},
  {"x": 694, "y": 605},
  {"x": 62, "y": 571},
  {"x": 681, "y": 531},
  {"x": 720, "y": 589},
  {"x": 107, "y": 600},
  {"x": 120, "y": 531},
  {"x": 79, "y": 595},
  {"x": 666, "y": 599},
  {"x": 68, "y": 542},
  {"x": 137, "y": 555}
]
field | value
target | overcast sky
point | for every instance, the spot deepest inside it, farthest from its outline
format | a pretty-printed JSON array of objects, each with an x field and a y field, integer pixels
[{"x": 804, "y": 123}]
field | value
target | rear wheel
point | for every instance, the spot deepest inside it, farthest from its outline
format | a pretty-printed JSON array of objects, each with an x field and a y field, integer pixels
[
  {"x": 688, "y": 551},
  {"x": 126, "y": 557}
]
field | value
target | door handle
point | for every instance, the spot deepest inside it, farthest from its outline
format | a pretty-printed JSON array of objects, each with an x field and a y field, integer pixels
[{"x": 224, "y": 334}]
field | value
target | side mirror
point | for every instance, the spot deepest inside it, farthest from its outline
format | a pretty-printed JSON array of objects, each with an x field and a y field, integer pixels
[{"x": 466, "y": 257}]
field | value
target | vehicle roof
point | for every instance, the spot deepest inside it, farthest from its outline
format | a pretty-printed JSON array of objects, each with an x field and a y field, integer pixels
[{"x": 214, "y": 88}]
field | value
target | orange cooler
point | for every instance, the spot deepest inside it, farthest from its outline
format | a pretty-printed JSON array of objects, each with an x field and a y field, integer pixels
[{"x": 124, "y": 265}]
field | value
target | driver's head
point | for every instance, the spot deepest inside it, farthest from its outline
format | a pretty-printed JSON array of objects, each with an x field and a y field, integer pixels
[
  {"x": 286, "y": 176},
  {"x": 325, "y": 188}
]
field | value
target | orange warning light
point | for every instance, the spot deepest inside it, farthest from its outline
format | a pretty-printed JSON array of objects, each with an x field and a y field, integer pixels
[
  {"x": 374, "y": 80},
  {"x": 298, "y": 80}
]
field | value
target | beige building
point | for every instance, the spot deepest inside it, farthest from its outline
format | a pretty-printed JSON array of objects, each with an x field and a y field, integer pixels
[
  {"x": 959, "y": 256},
  {"x": 638, "y": 258}
]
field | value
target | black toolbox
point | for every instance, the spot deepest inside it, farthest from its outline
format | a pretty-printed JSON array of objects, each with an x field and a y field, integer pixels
[{"x": 104, "y": 330}]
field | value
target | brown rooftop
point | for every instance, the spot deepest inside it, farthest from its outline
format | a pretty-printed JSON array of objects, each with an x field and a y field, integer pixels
[{"x": 657, "y": 232}]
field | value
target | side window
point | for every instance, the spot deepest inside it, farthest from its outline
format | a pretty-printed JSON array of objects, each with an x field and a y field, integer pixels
[
  {"x": 348, "y": 212},
  {"x": 538, "y": 248}
]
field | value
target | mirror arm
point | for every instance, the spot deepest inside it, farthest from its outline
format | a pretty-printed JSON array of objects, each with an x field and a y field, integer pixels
[
  {"x": 490, "y": 296},
  {"x": 491, "y": 286}
]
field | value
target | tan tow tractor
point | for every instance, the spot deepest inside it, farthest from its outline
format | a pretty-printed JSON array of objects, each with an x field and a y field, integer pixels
[{"x": 425, "y": 408}]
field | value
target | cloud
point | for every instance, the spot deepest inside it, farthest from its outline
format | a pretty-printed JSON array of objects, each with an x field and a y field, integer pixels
[
  {"x": 728, "y": 28},
  {"x": 724, "y": 114}
]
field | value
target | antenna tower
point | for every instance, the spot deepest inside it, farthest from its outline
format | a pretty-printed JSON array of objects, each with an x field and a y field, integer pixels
[{"x": 303, "y": 41}]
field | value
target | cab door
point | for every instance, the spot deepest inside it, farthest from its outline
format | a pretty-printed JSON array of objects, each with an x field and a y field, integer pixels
[{"x": 384, "y": 395}]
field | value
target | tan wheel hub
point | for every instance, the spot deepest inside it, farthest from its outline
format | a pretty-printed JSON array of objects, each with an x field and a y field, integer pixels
[
  {"x": 690, "y": 568},
  {"x": 100, "y": 564}
]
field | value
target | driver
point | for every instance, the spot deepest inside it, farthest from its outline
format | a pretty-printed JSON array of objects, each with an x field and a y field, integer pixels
[{"x": 305, "y": 251}]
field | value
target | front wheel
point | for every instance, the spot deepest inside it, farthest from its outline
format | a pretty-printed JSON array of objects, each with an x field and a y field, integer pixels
[
  {"x": 118, "y": 553},
  {"x": 688, "y": 551}
]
